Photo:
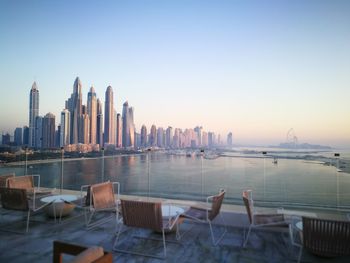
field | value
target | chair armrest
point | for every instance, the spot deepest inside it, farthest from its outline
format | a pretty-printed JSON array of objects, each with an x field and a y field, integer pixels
[
  {"x": 294, "y": 231},
  {"x": 60, "y": 248}
]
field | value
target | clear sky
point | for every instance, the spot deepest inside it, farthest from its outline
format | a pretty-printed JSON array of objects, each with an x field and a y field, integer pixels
[{"x": 256, "y": 68}]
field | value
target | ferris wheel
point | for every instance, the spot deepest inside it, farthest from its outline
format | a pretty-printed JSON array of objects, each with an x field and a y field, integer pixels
[{"x": 291, "y": 138}]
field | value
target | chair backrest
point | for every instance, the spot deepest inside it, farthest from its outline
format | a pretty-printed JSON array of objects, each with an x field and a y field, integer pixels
[
  {"x": 21, "y": 182},
  {"x": 3, "y": 179},
  {"x": 142, "y": 214},
  {"x": 103, "y": 195},
  {"x": 216, "y": 204},
  {"x": 327, "y": 238},
  {"x": 248, "y": 203},
  {"x": 14, "y": 199}
]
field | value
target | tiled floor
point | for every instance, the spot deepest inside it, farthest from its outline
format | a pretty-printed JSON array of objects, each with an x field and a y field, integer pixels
[{"x": 195, "y": 246}]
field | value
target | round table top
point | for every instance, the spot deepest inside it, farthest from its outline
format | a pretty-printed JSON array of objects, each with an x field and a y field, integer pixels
[
  {"x": 299, "y": 225},
  {"x": 171, "y": 210},
  {"x": 58, "y": 198}
]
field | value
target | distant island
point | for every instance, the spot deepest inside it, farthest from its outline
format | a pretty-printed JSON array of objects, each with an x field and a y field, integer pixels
[{"x": 287, "y": 145}]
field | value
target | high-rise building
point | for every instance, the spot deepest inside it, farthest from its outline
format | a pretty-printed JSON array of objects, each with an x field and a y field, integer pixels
[
  {"x": 131, "y": 124},
  {"x": 176, "y": 138},
  {"x": 6, "y": 139},
  {"x": 65, "y": 128},
  {"x": 119, "y": 131},
  {"x": 25, "y": 135},
  {"x": 84, "y": 129},
  {"x": 92, "y": 112},
  {"x": 229, "y": 139},
  {"x": 143, "y": 139},
  {"x": 33, "y": 112},
  {"x": 169, "y": 137},
  {"x": 18, "y": 136},
  {"x": 211, "y": 139},
  {"x": 99, "y": 124},
  {"x": 109, "y": 132},
  {"x": 153, "y": 136},
  {"x": 128, "y": 137},
  {"x": 38, "y": 132},
  {"x": 160, "y": 137},
  {"x": 198, "y": 136},
  {"x": 48, "y": 131},
  {"x": 204, "y": 139},
  {"x": 74, "y": 105}
]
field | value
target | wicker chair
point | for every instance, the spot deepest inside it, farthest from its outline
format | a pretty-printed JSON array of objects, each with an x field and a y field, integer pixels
[
  {"x": 17, "y": 200},
  {"x": 325, "y": 238},
  {"x": 207, "y": 215},
  {"x": 3, "y": 179},
  {"x": 101, "y": 198},
  {"x": 260, "y": 220},
  {"x": 27, "y": 182},
  {"x": 83, "y": 254},
  {"x": 146, "y": 215}
]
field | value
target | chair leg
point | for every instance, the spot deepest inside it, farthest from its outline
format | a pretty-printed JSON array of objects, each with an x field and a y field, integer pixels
[
  {"x": 164, "y": 245},
  {"x": 215, "y": 243},
  {"x": 247, "y": 237},
  {"x": 300, "y": 253},
  {"x": 28, "y": 215}
]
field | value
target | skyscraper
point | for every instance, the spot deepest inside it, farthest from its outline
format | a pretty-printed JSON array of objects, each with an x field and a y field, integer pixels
[
  {"x": 169, "y": 137},
  {"x": 38, "y": 131},
  {"x": 143, "y": 136},
  {"x": 48, "y": 131},
  {"x": 132, "y": 139},
  {"x": 74, "y": 105},
  {"x": 119, "y": 131},
  {"x": 18, "y": 136},
  {"x": 99, "y": 124},
  {"x": 33, "y": 112},
  {"x": 92, "y": 112},
  {"x": 153, "y": 136},
  {"x": 109, "y": 133},
  {"x": 65, "y": 128},
  {"x": 160, "y": 137},
  {"x": 125, "y": 132},
  {"x": 229, "y": 139}
]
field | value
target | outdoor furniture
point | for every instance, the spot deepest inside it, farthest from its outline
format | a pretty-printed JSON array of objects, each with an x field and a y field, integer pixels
[
  {"x": 17, "y": 200},
  {"x": 27, "y": 182},
  {"x": 259, "y": 220},
  {"x": 3, "y": 179},
  {"x": 61, "y": 205},
  {"x": 101, "y": 198},
  {"x": 146, "y": 215},
  {"x": 207, "y": 215},
  {"x": 321, "y": 237},
  {"x": 82, "y": 254}
]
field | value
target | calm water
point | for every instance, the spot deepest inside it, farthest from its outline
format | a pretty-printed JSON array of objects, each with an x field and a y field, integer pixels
[{"x": 290, "y": 182}]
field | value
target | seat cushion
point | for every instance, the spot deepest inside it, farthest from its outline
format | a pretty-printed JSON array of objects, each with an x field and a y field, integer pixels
[
  {"x": 89, "y": 255},
  {"x": 196, "y": 213},
  {"x": 275, "y": 219}
]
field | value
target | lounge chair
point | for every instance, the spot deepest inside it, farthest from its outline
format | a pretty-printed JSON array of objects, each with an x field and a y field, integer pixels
[
  {"x": 208, "y": 214},
  {"x": 3, "y": 179},
  {"x": 27, "y": 182},
  {"x": 260, "y": 220},
  {"x": 82, "y": 254},
  {"x": 101, "y": 198},
  {"x": 146, "y": 215},
  {"x": 18, "y": 200},
  {"x": 325, "y": 238}
]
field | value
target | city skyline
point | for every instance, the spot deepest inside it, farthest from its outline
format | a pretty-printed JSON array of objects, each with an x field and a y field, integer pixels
[{"x": 255, "y": 68}]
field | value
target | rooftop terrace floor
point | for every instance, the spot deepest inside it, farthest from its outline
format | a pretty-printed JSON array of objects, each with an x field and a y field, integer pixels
[{"x": 265, "y": 245}]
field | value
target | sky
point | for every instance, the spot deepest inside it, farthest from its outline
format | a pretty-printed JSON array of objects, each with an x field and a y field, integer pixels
[{"x": 253, "y": 68}]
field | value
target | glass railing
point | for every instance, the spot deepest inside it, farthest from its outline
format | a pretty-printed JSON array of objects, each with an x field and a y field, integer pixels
[{"x": 289, "y": 181}]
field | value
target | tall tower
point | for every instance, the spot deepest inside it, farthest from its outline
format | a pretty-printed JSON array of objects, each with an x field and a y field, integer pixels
[
  {"x": 109, "y": 117},
  {"x": 74, "y": 105},
  {"x": 160, "y": 137},
  {"x": 119, "y": 131},
  {"x": 153, "y": 136},
  {"x": 229, "y": 139},
  {"x": 92, "y": 112},
  {"x": 48, "y": 131},
  {"x": 169, "y": 137},
  {"x": 99, "y": 124},
  {"x": 125, "y": 132},
  {"x": 65, "y": 128},
  {"x": 132, "y": 139},
  {"x": 143, "y": 136},
  {"x": 33, "y": 113}
]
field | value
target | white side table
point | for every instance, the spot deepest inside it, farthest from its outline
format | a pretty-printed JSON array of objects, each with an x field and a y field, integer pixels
[{"x": 59, "y": 207}]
